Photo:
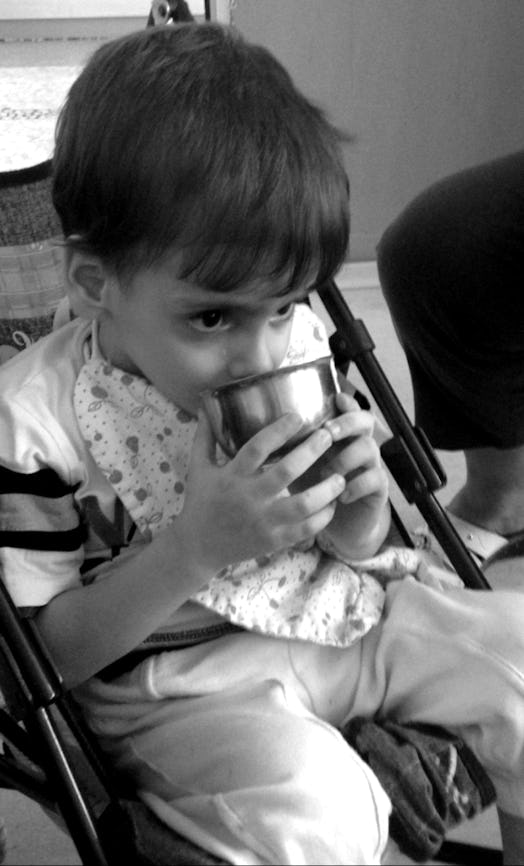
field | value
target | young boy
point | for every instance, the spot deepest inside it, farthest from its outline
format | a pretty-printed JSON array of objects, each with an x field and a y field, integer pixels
[{"x": 218, "y": 618}]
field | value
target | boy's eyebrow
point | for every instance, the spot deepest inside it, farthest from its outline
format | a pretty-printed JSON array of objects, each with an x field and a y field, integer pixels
[{"x": 190, "y": 303}]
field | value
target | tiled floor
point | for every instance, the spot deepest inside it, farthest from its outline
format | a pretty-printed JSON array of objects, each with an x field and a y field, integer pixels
[{"x": 34, "y": 78}]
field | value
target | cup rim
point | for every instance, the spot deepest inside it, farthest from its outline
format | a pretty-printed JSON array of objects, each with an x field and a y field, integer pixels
[{"x": 247, "y": 381}]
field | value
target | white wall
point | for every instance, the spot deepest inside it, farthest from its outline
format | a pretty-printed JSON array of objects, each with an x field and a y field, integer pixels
[{"x": 426, "y": 87}]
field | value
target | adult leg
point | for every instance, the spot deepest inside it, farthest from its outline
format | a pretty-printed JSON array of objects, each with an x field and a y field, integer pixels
[
  {"x": 451, "y": 269},
  {"x": 493, "y": 494}
]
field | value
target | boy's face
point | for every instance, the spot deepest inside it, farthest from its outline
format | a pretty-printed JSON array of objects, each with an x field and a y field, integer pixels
[{"x": 184, "y": 339}]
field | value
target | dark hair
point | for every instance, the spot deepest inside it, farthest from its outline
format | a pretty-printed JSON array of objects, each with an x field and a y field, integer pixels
[{"x": 189, "y": 137}]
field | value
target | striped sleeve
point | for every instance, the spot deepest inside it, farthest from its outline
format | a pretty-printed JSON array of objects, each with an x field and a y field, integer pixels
[
  {"x": 41, "y": 536},
  {"x": 38, "y": 512}
]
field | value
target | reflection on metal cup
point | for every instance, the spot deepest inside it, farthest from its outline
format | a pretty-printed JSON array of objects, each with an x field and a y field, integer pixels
[{"x": 240, "y": 409}]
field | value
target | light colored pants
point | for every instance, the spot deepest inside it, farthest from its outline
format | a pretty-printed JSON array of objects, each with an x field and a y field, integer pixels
[{"x": 247, "y": 761}]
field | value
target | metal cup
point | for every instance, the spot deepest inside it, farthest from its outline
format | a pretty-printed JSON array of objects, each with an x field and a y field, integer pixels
[{"x": 239, "y": 410}]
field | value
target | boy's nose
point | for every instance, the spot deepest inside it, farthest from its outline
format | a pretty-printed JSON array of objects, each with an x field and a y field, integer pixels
[{"x": 250, "y": 356}]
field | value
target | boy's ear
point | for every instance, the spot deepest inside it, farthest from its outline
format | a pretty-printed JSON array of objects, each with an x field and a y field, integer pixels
[{"x": 89, "y": 283}]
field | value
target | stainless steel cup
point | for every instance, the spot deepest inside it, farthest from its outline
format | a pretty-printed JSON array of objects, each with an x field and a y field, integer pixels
[{"x": 239, "y": 410}]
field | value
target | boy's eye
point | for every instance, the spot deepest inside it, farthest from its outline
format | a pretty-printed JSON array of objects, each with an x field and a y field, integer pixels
[
  {"x": 219, "y": 320},
  {"x": 285, "y": 312},
  {"x": 209, "y": 320}
]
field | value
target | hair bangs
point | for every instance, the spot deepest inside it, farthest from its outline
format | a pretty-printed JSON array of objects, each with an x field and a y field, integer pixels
[
  {"x": 294, "y": 231},
  {"x": 291, "y": 260}
]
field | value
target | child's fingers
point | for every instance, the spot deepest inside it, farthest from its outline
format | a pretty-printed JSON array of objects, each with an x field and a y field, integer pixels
[
  {"x": 254, "y": 453},
  {"x": 353, "y": 421},
  {"x": 305, "y": 504},
  {"x": 282, "y": 474},
  {"x": 305, "y": 514},
  {"x": 351, "y": 425},
  {"x": 362, "y": 452},
  {"x": 346, "y": 402},
  {"x": 369, "y": 482},
  {"x": 295, "y": 533}
]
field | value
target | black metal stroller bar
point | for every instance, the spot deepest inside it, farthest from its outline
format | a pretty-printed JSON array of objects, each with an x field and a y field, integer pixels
[
  {"x": 408, "y": 455},
  {"x": 38, "y": 682}
]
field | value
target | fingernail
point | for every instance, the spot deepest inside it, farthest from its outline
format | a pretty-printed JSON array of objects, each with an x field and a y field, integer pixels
[
  {"x": 294, "y": 420},
  {"x": 340, "y": 482},
  {"x": 333, "y": 427},
  {"x": 324, "y": 437}
]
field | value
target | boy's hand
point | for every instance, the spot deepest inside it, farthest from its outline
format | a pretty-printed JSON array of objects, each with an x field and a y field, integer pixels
[
  {"x": 242, "y": 509},
  {"x": 357, "y": 454},
  {"x": 361, "y": 520}
]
